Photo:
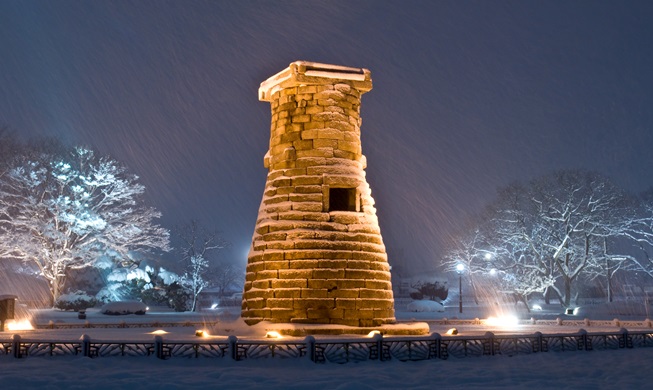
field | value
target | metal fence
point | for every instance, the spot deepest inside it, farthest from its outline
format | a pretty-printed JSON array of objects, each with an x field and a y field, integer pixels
[{"x": 334, "y": 350}]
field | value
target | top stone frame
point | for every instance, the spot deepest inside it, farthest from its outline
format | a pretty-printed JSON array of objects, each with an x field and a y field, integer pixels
[{"x": 314, "y": 73}]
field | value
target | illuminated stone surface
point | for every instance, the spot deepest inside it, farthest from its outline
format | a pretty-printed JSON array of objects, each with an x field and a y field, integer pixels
[{"x": 317, "y": 254}]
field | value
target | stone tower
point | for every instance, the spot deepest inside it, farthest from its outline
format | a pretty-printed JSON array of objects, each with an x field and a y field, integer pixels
[{"x": 317, "y": 255}]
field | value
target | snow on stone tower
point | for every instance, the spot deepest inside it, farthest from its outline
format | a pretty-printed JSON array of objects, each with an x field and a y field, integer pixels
[{"x": 317, "y": 255}]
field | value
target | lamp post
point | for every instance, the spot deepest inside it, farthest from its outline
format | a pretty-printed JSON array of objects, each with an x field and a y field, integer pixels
[{"x": 460, "y": 268}]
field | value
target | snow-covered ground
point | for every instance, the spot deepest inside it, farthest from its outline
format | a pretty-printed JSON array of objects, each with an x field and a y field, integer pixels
[
  {"x": 613, "y": 369},
  {"x": 620, "y": 369}
]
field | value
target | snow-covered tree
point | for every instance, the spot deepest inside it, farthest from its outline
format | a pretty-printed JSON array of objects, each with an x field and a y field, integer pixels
[
  {"x": 198, "y": 247},
  {"x": 471, "y": 250},
  {"x": 548, "y": 233},
  {"x": 576, "y": 211},
  {"x": 66, "y": 210},
  {"x": 638, "y": 230}
]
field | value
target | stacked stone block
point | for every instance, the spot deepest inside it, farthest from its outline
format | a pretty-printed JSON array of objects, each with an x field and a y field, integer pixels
[{"x": 317, "y": 254}]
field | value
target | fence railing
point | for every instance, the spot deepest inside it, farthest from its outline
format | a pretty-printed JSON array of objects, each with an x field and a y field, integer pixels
[
  {"x": 585, "y": 323},
  {"x": 334, "y": 350}
]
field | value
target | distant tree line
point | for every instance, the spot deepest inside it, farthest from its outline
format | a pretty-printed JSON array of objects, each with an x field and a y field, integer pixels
[
  {"x": 64, "y": 210},
  {"x": 556, "y": 234}
]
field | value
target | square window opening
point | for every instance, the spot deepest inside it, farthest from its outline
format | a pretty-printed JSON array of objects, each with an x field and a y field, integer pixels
[{"x": 342, "y": 199}]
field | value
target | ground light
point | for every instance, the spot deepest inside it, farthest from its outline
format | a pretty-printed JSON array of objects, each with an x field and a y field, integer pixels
[
  {"x": 19, "y": 325},
  {"x": 159, "y": 331},
  {"x": 201, "y": 333},
  {"x": 273, "y": 335},
  {"x": 373, "y": 333},
  {"x": 503, "y": 321},
  {"x": 452, "y": 331}
]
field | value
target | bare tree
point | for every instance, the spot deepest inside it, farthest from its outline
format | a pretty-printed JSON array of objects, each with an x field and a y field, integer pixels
[
  {"x": 65, "y": 211},
  {"x": 198, "y": 247},
  {"x": 471, "y": 252},
  {"x": 225, "y": 276}
]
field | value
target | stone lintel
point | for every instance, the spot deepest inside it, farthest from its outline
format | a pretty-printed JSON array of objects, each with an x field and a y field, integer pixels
[{"x": 314, "y": 73}]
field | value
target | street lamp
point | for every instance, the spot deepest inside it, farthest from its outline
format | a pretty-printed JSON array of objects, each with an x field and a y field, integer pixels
[{"x": 460, "y": 268}]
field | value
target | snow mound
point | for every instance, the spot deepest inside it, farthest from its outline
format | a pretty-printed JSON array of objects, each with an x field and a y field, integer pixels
[
  {"x": 425, "y": 306},
  {"x": 123, "y": 307}
]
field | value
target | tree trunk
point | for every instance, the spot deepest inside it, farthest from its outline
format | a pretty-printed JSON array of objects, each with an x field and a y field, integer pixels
[
  {"x": 567, "y": 291},
  {"x": 523, "y": 299},
  {"x": 56, "y": 285},
  {"x": 547, "y": 296}
]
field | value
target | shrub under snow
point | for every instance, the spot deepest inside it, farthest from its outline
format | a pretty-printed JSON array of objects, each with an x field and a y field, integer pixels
[
  {"x": 76, "y": 301},
  {"x": 124, "y": 307},
  {"x": 425, "y": 306}
]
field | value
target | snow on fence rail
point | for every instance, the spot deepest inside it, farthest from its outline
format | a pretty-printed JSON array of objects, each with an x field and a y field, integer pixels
[
  {"x": 587, "y": 323},
  {"x": 336, "y": 350},
  {"x": 122, "y": 324},
  {"x": 646, "y": 323}
]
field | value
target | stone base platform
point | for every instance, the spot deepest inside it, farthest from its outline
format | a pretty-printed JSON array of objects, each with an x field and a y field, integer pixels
[{"x": 301, "y": 330}]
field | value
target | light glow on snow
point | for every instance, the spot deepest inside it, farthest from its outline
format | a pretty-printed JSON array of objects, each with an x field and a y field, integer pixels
[
  {"x": 503, "y": 321},
  {"x": 273, "y": 335},
  {"x": 19, "y": 325},
  {"x": 159, "y": 331}
]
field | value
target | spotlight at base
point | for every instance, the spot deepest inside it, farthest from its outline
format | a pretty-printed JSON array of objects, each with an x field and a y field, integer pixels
[
  {"x": 19, "y": 325},
  {"x": 506, "y": 321},
  {"x": 201, "y": 333},
  {"x": 372, "y": 333},
  {"x": 452, "y": 331},
  {"x": 273, "y": 335}
]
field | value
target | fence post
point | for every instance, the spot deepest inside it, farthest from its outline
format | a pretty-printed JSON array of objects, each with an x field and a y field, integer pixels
[
  {"x": 537, "y": 343},
  {"x": 583, "y": 340},
  {"x": 378, "y": 338},
  {"x": 158, "y": 346},
  {"x": 625, "y": 341},
  {"x": 489, "y": 346},
  {"x": 232, "y": 346},
  {"x": 310, "y": 347},
  {"x": 86, "y": 345},
  {"x": 436, "y": 350},
  {"x": 15, "y": 346}
]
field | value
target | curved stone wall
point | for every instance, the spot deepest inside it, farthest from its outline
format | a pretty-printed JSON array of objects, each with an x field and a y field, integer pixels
[{"x": 317, "y": 254}]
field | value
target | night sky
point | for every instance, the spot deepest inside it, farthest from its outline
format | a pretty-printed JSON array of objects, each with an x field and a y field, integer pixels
[{"x": 468, "y": 96}]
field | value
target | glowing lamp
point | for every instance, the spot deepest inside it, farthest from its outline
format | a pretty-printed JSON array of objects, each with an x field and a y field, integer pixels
[
  {"x": 504, "y": 322},
  {"x": 373, "y": 333},
  {"x": 452, "y": 331},
  {"x": 273, "y": 335},
  {"x": 20, "y": 325}
]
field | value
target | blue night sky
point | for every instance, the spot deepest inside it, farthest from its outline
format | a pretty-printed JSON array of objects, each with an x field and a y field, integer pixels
[{"x": 468, "y": 96}]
